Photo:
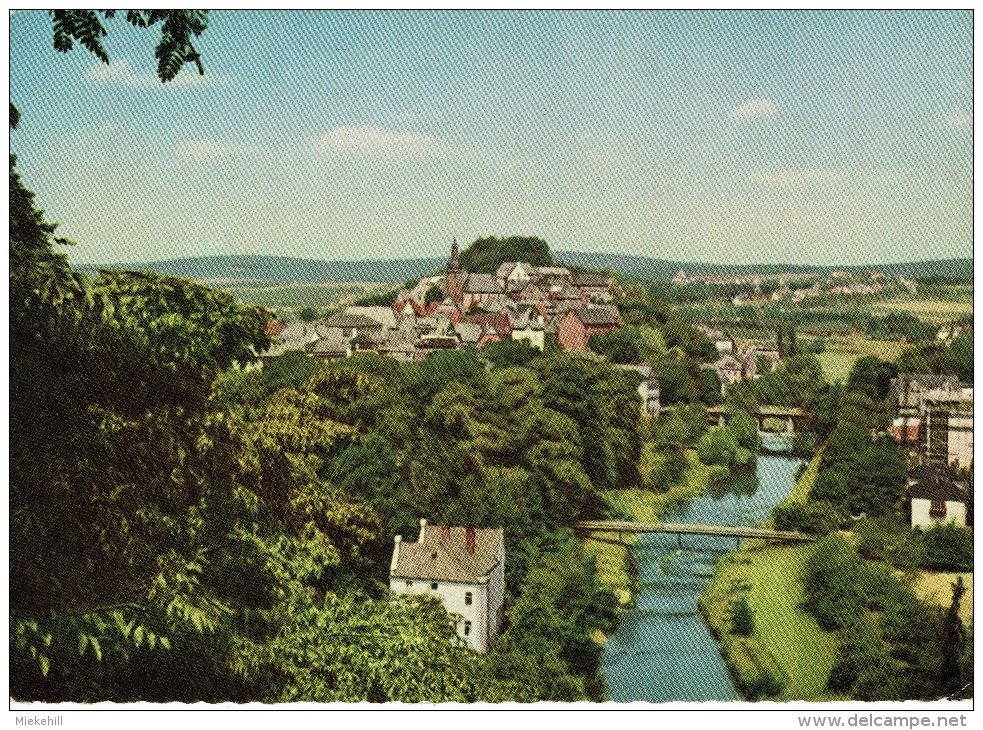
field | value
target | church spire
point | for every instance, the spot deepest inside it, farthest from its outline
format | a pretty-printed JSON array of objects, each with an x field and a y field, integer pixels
[{"x": 452, "y": 264}]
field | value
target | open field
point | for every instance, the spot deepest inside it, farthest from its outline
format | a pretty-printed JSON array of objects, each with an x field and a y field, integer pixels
[
  {"x": 936, "y": 588},
  {"x": 785, "y": 638},
  {"x": 844, "y": 350},
  {"x": 931, "y": 303},
  {"x": 930, "y": 310}
]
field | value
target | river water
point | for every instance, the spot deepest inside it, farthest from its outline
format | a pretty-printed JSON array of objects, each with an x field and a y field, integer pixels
[{"x": 662, "y": 652}]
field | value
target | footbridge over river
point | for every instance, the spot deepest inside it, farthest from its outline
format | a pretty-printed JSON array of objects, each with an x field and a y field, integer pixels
[{"x": 686, "y": 529}]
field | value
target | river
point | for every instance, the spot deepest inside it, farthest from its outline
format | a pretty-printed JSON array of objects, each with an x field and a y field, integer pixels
[{"x": 661, "y": 651}]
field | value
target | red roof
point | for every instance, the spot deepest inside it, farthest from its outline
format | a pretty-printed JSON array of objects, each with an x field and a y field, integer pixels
[
  {"x": 274, "y": 327},
  {"x": 498, "y": 320}
]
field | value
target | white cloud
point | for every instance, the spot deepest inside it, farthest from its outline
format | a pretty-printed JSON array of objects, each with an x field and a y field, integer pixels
[
  {"x": 795, "y": 177},
  {"x": 754, "y": 109},
  {"x": 381, "y": 143},
  {"x": 959, "y": 121},
  {"x": 121, "y": 73},
  {"x": 202, "y": 150}
]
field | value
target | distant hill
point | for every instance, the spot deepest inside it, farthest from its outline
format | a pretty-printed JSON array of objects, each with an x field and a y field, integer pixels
[
  {"x": 280, "y": 270},
  {"x": 641, "y": 266}
]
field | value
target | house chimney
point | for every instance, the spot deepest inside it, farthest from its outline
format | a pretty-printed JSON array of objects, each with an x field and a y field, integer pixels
[
  {"x": 395, "y": 561},
  {"x": 423, "y": 529},
  {"x": 445, "y": 533},
  {"x": 469, "y": 540}
]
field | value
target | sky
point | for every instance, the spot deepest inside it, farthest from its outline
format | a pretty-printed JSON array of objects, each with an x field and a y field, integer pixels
[{"x": 730, "y": 137}]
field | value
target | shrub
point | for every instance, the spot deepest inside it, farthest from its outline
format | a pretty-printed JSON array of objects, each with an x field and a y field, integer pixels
[
  {"x": 741, "y": 617},
  {"x": 888, "y": 539},
  {"x": 717, "y": 446},
  {"x": 831, "y": 584},
  {"x": 947, "y": 547},
  {"x": 765, "y": 684},
  {"x": 814, "y": 518}
]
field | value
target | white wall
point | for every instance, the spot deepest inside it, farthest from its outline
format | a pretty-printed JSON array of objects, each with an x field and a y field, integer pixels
[
  {"x": 535, "y": 337},
  {"x": 954, "y": 512},
  {"x": 961, "y": 439},
  {"x": 454, "y": 598}
]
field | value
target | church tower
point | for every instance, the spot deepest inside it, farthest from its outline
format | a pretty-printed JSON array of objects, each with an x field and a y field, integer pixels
[{"x": 454, "y": 276}]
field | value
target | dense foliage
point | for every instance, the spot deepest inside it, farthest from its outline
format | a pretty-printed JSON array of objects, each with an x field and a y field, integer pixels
[
  {"x": 892, "y": 646},
  {"x": 485, "y": 255}
]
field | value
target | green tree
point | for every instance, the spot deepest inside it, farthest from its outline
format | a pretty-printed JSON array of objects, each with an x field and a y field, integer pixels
[
  {"x": 178, "y": 29},
  {"x": 485, "y": 255},
  {"x": 623, "y": 345},
  {"x": 308, "y": 314},
  {"x": 871, "y": 376},
  {"x": 353, "y": 649},
  {"x": 509, "y": 353},
  {"x": 433, "y": 294},
  {"x": 947, "y": 547},
  {"x": 717, "y": 446},
  {"x": 961, "y": 354},
  {"x": 441, "y": 368},
  {"x": 953, "y": 640},
  {"x": 708, "y": 387}
]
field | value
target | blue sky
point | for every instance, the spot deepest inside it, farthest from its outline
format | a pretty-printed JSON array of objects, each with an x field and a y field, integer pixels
[{"x": 803, "y": 137}]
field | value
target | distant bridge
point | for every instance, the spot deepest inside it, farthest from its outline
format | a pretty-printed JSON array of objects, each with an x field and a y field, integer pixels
[
  {"x": 685, "y": 529},
  {"x": 792, "y": 417}
]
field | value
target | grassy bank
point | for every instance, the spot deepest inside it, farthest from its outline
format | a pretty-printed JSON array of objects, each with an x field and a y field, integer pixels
[
  {"x": 787, "y": 648},
  {"x": 615, "y": 560},
  {"x": 803, "y": 485},
  {"x": 936, "y": 588},
  {"x": 786, "y": 643}
]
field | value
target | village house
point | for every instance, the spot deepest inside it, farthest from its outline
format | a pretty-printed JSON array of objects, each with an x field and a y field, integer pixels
[
  {"x": 648, "y": 389},
  {"x": 530, "y": 326},
  {"x": 729, "y": 370},
  {"x": 936, "y": 496},
  {"x": 294, "y": 336},
  {"x": 723, "y": 343},
  {"x": 348, "y": 325},
  {"x": 578, "y": 325},
  {"x": 593, "y": 286},
  {"x": 330, "y": 347},
  {"x": 514, "y": 272},
  {"x": 751, "y": 357},
  {"x": 462, "y": 566},
  {"x": 479, "y": 289}
]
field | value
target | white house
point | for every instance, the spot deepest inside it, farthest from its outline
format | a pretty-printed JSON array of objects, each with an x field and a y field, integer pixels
[
  {"x": 648, "y": 389},
  {"x": 529, "y": 325},
  {"x": 465, "y": 568},
  {"x": 935, "y": 497}
]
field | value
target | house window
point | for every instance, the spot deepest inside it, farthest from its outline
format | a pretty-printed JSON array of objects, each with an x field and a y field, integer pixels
[
  {"x": 467, "y": 628},
  {"x": 433, "y": 586},
  {"x": 467, "y": 598},
  {"x": 409, "y": 584}
]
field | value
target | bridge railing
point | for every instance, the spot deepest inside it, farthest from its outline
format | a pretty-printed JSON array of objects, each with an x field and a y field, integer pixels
[{"x": 692, "y": 529}]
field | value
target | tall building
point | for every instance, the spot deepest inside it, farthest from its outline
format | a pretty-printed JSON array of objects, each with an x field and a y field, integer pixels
[{"x": 454, "y": 276}]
